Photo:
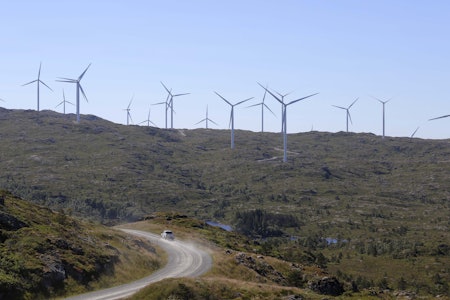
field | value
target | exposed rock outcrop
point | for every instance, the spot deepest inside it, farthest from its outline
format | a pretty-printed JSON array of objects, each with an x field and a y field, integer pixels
[
  {"x": 327, "y": 286},
  {"x": 261, "y": 267}
]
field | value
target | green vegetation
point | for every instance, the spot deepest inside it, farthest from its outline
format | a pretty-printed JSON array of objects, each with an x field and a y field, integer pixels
[
  {"x": 373, "y": 212},
  {"x": 45, "y": 254}
]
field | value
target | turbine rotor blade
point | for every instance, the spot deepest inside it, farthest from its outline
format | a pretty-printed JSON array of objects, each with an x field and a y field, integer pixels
[
  {"x": 82, "y": 92},
  {"x": 244, "y": 101},
  {"x": 381, "y": 101},
  {"x": 223, "y": 98},
  {"x": 257, "y": 104},
  {"x": 200, "y": 121},
  {"x": 181, "y": 94},
  {"x": 63, "y": 79},
  {"x": 292, "y": 102},
  {"x": 29, "y": 82},
  {"x": 339, "y": 107},
  {"x": 349, "y": 117},
  {"x": 269, "y": 109},
  {"x": 265, "y": 93},
  {"x": 412, "y": 135},
  {"x": 441, "y": 117},
  {"x": 45, "y": 85},
  {"x": 82, "y": 74},
  {"x": 279, "y": 100},
  {"x": 282, "y": 96},
  {"x": 213, "y": 122},
  {"x": 353, "y": 103},
  {"x": 39, "y": 72},
  {"x": 166, "y": 88},
  {"x": 130, "y": 102}
]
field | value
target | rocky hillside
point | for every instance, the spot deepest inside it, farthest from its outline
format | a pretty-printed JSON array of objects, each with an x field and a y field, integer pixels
[{"x": 45, "y": 254}]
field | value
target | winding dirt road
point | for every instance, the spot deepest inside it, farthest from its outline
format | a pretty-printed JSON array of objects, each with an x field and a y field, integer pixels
[{"x": 184, "y": 260}]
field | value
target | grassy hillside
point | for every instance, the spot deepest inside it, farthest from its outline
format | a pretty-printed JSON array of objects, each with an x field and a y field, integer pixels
[
  {"x": 44, "y": 254},
  {"x": 242, "y": 271},
  {"x": 374, "y": 212}
]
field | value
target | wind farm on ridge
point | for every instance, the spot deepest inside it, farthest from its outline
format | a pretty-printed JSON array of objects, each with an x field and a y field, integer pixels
[{"x": 169, "y": 111}]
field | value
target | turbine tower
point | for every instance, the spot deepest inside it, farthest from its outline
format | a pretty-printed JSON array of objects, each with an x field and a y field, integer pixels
[
  {"x": 63, "y": 102},
  {"x": 347, "y": 109},
  {"x": 38, "y": 81},
  {"x": 170, "y": 104},
  {"x": 284, "y": 119},
  {"x": 383, "y": 102},
  {"x": 128, "y": 111},
  {"x": 262, "y": 109},
  {"x": 232, "y": 115},
  {"x": 206, "y": 119},
  {"x": 148, "y": 119},
  {"x": 78, "y": 88}
]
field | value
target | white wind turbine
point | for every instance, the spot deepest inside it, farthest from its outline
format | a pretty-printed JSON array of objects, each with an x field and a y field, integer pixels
[
  {"x": 148, "y": 119},
  {"x": 78, "y": 88},
  {"x": 206, "y": 119},
  {"x": 38, "y": 82},
  {"x": 232, "y": 115},
  {"x": 347, "y": 109},
  {"x": 128, "y": 111},
  {"x": 383, "y": 102},
  {"x": 262, "y": 109},
  {"x": 63, "y": 102},
  {"x": 170, "y": 103},
  {"x": 284, "y": 119}
]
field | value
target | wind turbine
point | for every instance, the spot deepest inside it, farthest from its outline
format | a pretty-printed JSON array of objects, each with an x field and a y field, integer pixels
[
  {"x": 171, "y": 102},
  {"x": 148, "y": 119},
  {"x": 206, "y": 119},
  {"x": 284, "y": 119},
  {"x": 232, "y": 115},
  {"x": 128, "y": 111},
  {"x": 262, "y": 110},
  {"x": 78, "y": 87},
  {"x": 347, "y": 109},
  {"x": 441, "y": 117},
  {"x": 383, "y": 102},
  {"x": 166, "y": 103},
  {"x": 63, "y": 102},
  {"x": 38, "y": 81}
]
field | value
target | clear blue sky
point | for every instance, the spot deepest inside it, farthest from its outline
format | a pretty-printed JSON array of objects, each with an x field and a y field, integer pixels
[{"x": 341, "y": 49}]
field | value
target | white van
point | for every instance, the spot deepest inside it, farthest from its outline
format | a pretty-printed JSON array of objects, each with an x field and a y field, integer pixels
[{"x": 168, "y": 235}]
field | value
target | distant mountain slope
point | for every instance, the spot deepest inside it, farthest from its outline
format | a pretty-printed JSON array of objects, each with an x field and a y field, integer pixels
[{"x": 110, "y": 171}]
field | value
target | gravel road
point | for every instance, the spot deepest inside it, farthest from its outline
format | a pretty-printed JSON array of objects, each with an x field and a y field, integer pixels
[{"x": 184, "y": 260}]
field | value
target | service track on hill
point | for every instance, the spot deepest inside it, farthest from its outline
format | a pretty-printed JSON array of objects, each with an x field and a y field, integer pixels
[{"x": 184, "y": 260}]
